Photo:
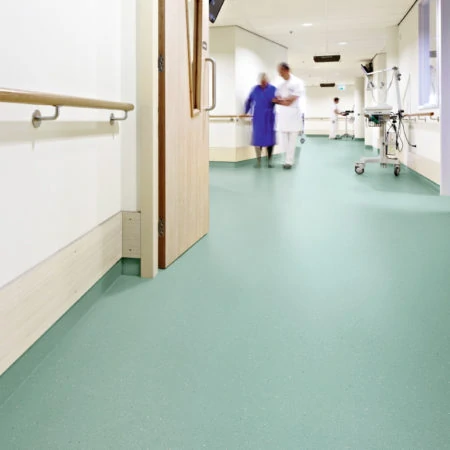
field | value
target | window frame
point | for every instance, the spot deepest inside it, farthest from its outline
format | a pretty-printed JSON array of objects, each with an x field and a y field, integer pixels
[
  {"x": 425, "y": 77},
  {"x": 195, "y": 68}
]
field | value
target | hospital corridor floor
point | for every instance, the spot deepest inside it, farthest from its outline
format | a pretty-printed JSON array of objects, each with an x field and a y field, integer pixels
[{"x": 315, "y": 315}]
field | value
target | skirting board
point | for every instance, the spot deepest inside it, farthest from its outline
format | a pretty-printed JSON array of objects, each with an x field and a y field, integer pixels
[
  {"x": 34, "y": 302},
  {"x": 237, "y": 154}
]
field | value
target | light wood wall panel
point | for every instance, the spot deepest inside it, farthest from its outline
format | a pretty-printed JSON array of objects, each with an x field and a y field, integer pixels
[
  {"x": 31, "y": 304},
  {"x": 131, "y": 235}
]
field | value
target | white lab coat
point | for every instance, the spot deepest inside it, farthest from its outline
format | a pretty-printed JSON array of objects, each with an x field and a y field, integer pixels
[
  {"x": 289, "y": 118},
  {"x": 334, "y": 125}
]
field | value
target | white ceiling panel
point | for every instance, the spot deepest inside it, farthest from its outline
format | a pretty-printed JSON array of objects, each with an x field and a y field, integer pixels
[{"x": 361, "y": 24}]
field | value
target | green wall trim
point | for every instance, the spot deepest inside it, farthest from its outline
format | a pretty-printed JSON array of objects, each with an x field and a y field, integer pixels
[
  {"x": 246, "y": 162},
  {"x": 37, "y": 353},
  {"x": 213, "y": 164},
  {"x": 326, "y": 135},
  {"x": 276, "y": 158},
  {"x": 436, "y": 187}
]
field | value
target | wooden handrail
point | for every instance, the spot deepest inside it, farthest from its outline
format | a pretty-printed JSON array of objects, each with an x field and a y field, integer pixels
[
  {"x": 39, "y": 98},
  {"x": 425, "y": 114},
  {"x": 58, "y": 101},
  {"x": 242, "y": 116}
]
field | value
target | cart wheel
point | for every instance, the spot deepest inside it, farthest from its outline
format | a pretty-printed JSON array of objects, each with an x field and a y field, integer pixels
[
  {"x": 397, "y": 171},
  {"x": 359, "y": 170},
  {"x": 302, "y": 140}
]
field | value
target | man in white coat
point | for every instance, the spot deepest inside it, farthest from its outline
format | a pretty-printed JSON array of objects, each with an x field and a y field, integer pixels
[
  {"x": 335, "y": 113},
  {"x": 289, "y": 98}
]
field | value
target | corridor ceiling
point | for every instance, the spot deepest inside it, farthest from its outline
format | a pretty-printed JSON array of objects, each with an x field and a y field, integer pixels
[{"x": 355, "y": 29}]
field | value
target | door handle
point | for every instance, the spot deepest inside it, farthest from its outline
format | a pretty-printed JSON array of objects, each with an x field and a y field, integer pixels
[{"x": 214, "y": 83}]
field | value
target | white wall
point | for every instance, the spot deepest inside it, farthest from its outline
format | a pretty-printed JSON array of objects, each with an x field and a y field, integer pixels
[
  {"x": 241, "y": 56},
  {"x": 402, "y": 50},
  {"x": 425, "y": 159},
  {"x": 223, "y": 50},
  {"x": 392, "y": 60},
  {"x": 360, "y": 86},
  {"x": 128, "y": 129},
  {"x": 60, "y": 181},
  {"x": 319, "y": 102}
]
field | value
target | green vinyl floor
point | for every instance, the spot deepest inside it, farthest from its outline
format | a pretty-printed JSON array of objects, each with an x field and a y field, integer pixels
[{"x": 315, "y": 315}]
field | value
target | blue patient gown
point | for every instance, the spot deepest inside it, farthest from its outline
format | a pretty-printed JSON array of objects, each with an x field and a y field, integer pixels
[{"x": 260, "y": 102}]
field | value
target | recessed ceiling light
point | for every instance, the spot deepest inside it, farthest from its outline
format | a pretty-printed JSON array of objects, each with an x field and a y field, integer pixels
[
  {"x": 343, "y": 43},
  {"x": 307, "y": 24}
]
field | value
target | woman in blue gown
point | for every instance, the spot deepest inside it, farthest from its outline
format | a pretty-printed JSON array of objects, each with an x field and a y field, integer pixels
[{"x": 260, "y": 103}]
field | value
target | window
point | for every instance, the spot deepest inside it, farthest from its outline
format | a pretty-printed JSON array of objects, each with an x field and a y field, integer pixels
[
  {"x": 194, "y": 27},
  {"x": 428, "y": 54}
]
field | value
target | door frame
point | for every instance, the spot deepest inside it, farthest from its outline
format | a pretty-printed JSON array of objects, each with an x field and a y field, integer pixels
[
  {"x": 161, "y": 242},
  {"x": 147, "y": 52}
]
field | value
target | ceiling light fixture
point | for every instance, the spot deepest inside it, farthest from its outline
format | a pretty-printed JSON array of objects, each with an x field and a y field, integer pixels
[
  {"x": 307, "y": 24},
  {"x": 327, "y": 58},
  {"x": 343, "y": 43}
]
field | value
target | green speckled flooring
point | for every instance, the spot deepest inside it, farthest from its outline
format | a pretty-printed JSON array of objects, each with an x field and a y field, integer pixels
[{"x": 316, "y": 315}]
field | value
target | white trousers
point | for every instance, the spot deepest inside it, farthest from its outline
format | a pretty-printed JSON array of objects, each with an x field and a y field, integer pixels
[
  {"x": 334, "y": 128},
  {"x": 288, "y": 144}
]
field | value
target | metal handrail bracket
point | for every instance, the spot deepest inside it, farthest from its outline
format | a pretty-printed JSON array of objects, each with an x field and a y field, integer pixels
[
  {"x": 37, "y": 117},
  {"x": 114, "y": 119}
]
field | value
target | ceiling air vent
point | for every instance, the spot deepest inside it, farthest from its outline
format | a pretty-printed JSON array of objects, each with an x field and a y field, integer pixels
[
  {"x": 327, "y": 58},
  {"x": 328, "y": 85}
]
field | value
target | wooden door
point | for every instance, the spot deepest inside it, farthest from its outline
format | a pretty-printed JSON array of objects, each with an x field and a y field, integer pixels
[{"x": 183, "y": 126}]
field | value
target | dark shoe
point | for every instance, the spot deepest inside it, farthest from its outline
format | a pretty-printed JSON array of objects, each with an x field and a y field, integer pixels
[
  {"x": 287, "y": 166},
  {"x": 269, "y": 164}
]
